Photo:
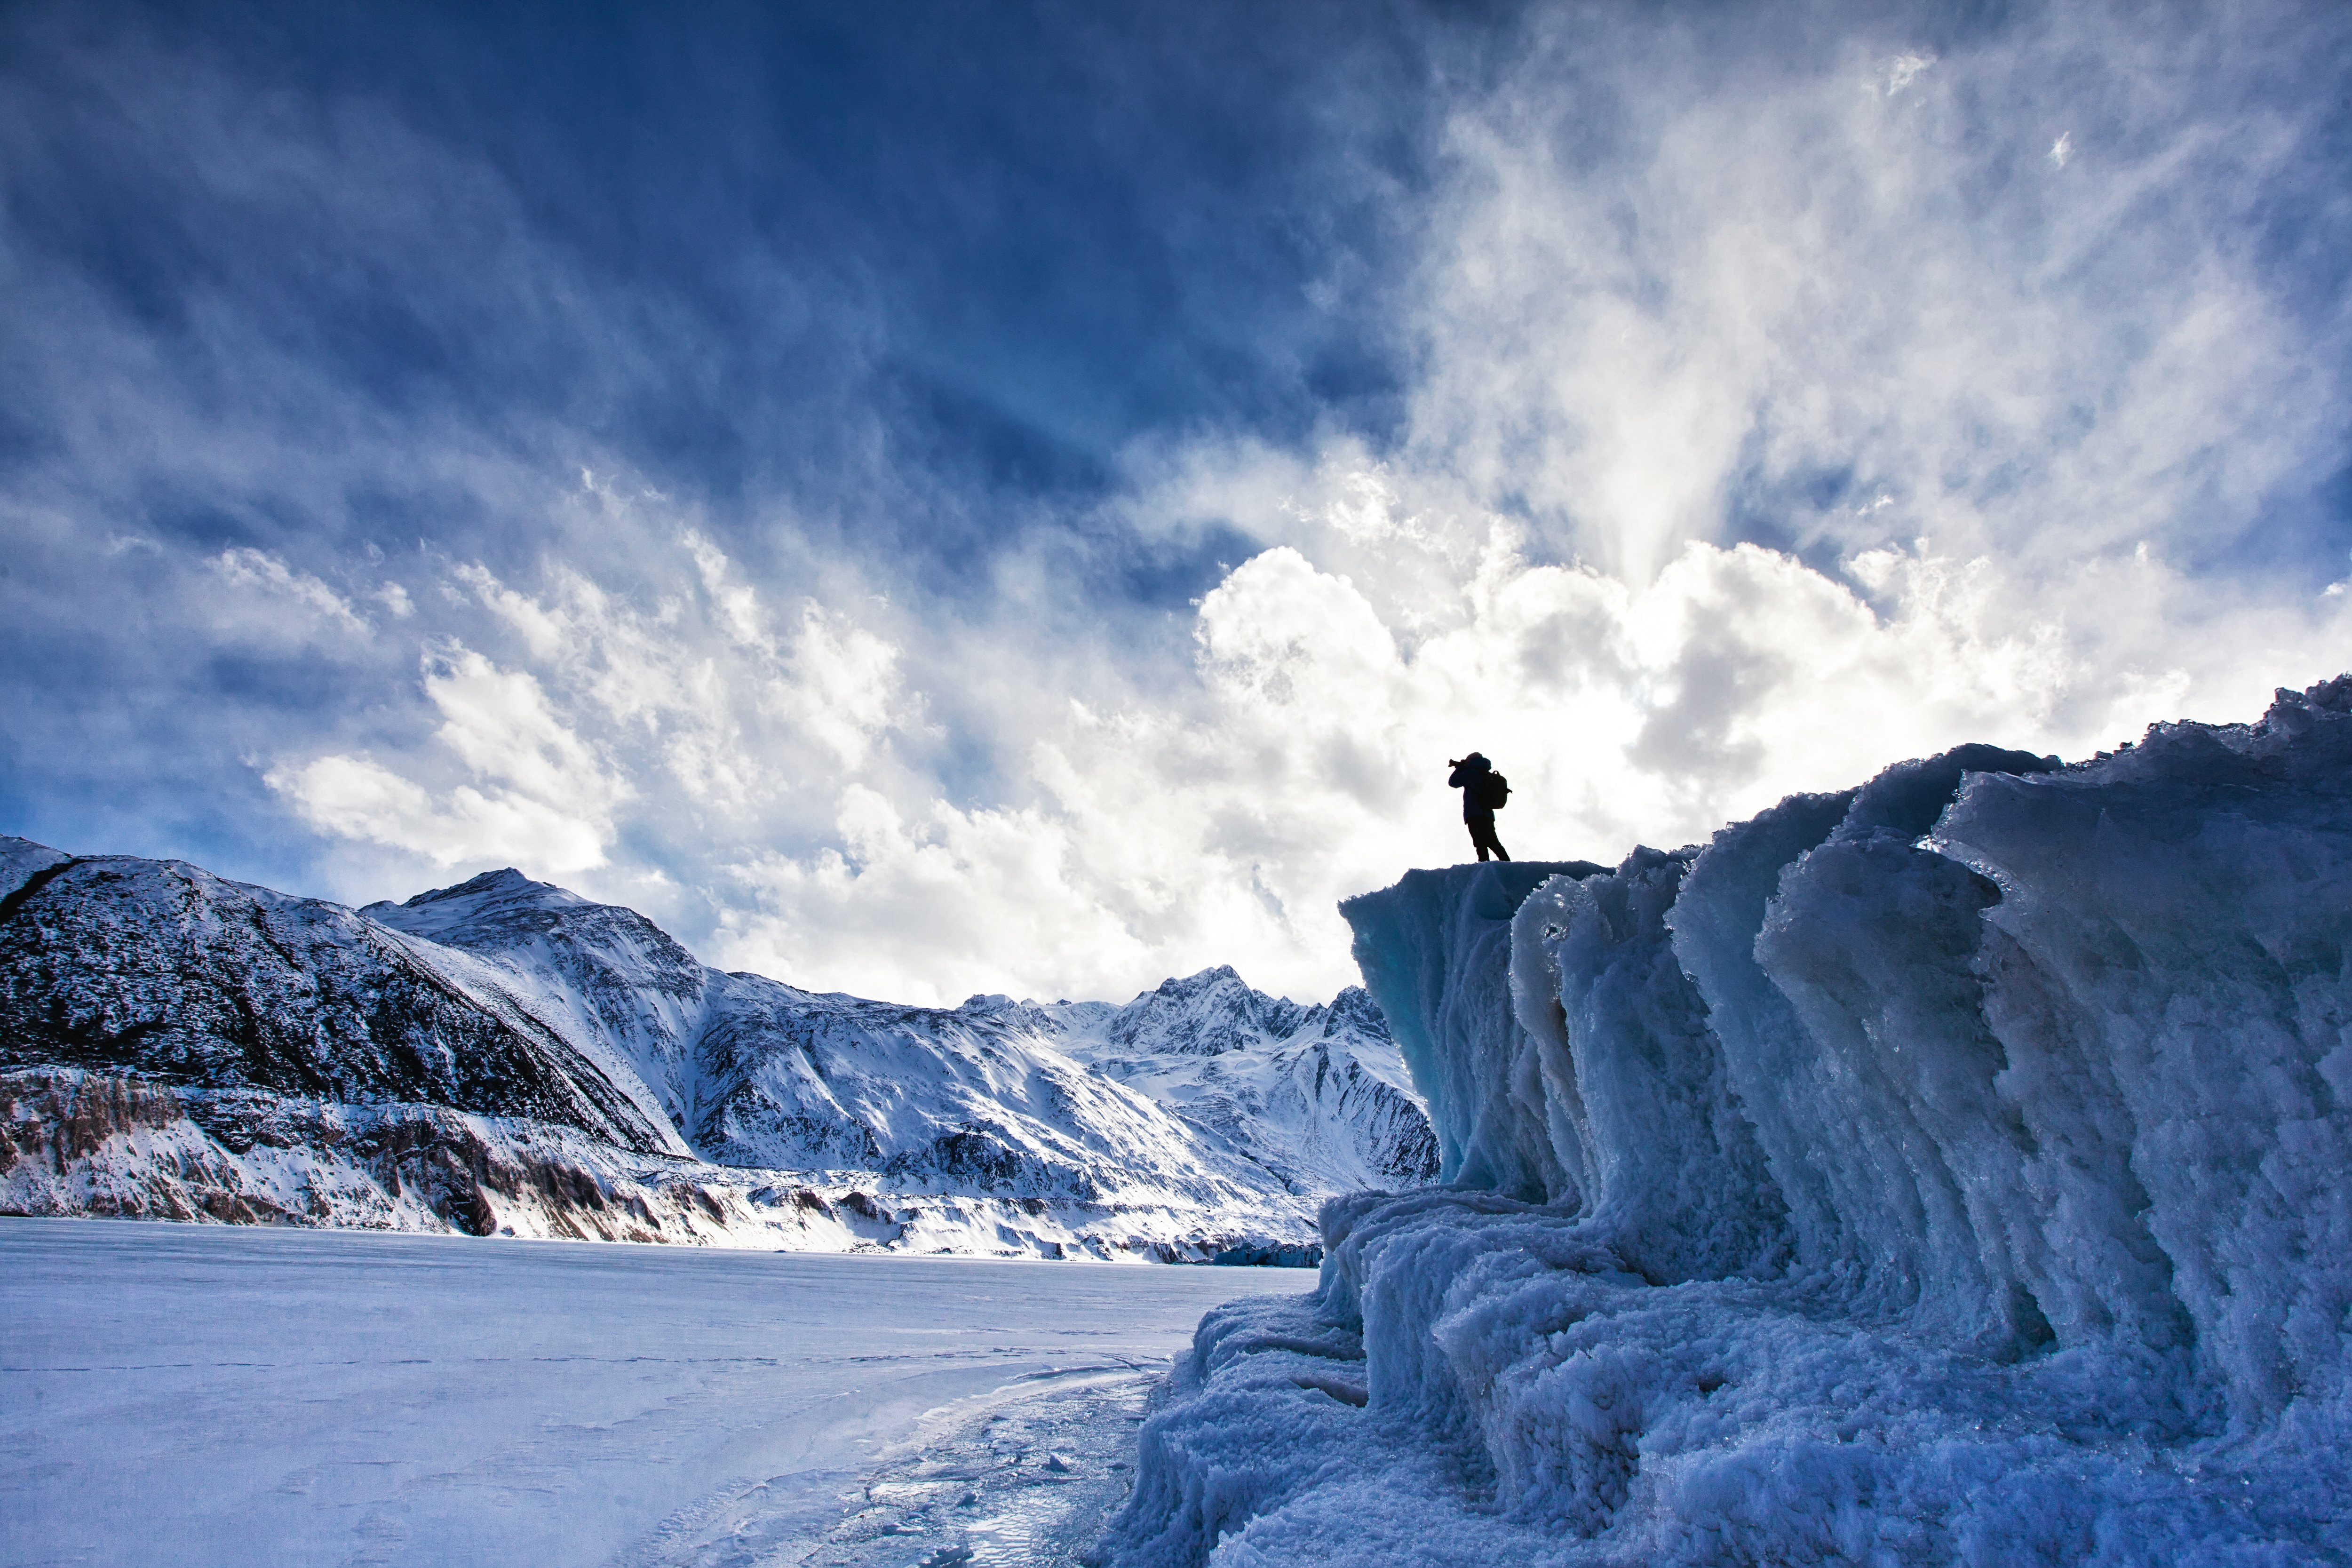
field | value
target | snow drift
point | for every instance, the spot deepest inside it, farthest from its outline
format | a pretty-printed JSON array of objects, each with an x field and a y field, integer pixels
[{"x": 1950, "y": 1170}]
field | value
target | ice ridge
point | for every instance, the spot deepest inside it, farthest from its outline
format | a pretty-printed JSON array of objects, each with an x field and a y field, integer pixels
[{"x": 1952, "y": 1170}]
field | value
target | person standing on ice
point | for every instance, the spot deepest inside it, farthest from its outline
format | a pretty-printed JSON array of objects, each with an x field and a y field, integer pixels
[{"x": 1483, "y": 789}]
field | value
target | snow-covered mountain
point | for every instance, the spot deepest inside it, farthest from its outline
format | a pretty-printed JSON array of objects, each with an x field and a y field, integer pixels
[
  {"x": 162, "y": 969},
  {"x": 504, "y": 1054},
  {"x": 1319, "y": 1096}
]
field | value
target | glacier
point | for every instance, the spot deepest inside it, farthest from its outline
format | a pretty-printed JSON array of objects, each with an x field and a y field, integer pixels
[
  {"x": 1956, "y": 1169},
  {"x": 506, "y": 1057}
]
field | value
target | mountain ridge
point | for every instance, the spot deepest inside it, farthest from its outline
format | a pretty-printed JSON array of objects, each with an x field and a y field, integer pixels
[{"x": 563, "y": 1057}]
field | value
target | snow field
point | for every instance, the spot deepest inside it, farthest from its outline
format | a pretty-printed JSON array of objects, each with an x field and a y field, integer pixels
[{"x": 235, "y": 1395}]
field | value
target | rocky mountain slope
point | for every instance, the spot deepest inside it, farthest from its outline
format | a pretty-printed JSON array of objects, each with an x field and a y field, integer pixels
[{"x": 505, "y": 1056}]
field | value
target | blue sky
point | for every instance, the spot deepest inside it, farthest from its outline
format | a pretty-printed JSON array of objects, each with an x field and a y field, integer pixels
[{"x": 933, "y": 499}]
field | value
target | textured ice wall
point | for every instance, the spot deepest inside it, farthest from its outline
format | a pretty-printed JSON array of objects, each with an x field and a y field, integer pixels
[
  {"x": 1834, "y": 955},
  {"x": 1958, "y": 1169},
  {"x": 1632, "y": 1069},
  {"x": 1434, "y": 950},
  {"x": 2168, "y": 973}
]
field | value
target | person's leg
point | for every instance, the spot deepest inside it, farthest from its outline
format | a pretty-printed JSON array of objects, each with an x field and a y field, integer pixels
[
  {"x": 1476, "y": 841},
  {"x": 1482, "y": 834}
]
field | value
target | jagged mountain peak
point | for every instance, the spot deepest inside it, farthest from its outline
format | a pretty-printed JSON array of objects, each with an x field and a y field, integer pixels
[
  {"x": 1189, "y": 984},
  {"x": 1220, "y": 981},
  {"x": 504, "y": 883},
  {"x": 503, "y": 892},
  {"x": 1317, "y": 1096},
  {"x": 504, "y": 910},
  {"x": 625, "y": 991},
  {"x": 987, "y": 1003},
  {"x": 1213, "y": 1011},
  {"x": 1353, "y": 1011}
]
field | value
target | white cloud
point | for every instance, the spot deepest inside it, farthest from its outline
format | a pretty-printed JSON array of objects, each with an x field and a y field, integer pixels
[
  {"x": 1905, "y": 69},
  {"x": 925, "y": 910},
  {"x": 357, "y": 797},
  {"x": 1777, "y": 284},
  {"x": 279, "y": 590},
  {"x": 545, "y": 797},
  {"x": 498, "y": 723},
  {"x": 841, "y": 684}
]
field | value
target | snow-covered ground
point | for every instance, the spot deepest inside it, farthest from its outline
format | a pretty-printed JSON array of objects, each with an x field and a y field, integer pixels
[{"x": 233, "y": 1395}]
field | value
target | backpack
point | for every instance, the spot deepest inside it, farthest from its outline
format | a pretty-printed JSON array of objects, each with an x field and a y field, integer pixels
[{"x": 1494, "y": 792}]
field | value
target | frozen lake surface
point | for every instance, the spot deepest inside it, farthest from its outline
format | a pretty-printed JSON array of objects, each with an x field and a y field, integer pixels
[{"x": 200, "y": 1395}]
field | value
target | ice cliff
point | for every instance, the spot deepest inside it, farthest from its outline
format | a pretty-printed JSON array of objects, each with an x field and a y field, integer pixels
[
  {"x": 1953, "y": 1170},
  {"x": 506, "y": 1056}
]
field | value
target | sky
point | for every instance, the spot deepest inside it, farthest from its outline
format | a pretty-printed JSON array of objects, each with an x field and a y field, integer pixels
[{"x": 931, "y": 499}]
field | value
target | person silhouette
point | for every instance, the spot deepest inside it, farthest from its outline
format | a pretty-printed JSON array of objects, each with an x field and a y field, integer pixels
[{"x": 1475, "y": 777}]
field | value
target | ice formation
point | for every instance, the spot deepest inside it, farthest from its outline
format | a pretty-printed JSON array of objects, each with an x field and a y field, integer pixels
[
  {"x": 504, "y": 1055},
  {"x": 1953, "y": 1170}
]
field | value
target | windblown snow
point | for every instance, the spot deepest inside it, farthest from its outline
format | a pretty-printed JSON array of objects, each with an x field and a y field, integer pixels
[
  {"x": 1952, "y": 1170},
  {"x": 507, "y": 1058}
]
